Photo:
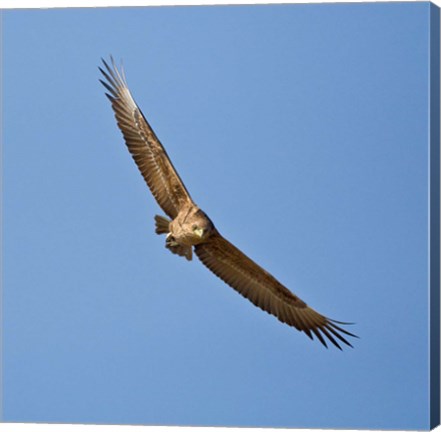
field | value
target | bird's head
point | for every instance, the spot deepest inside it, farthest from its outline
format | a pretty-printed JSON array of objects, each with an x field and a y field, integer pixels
[
  {"x": 201, "y": 225},
  {"x": 200, "y": 232}
]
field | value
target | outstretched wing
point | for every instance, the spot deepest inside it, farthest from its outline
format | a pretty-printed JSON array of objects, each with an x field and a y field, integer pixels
[
  {"x": 266, "y": 292},
  {"x": 144, "y": 146}
]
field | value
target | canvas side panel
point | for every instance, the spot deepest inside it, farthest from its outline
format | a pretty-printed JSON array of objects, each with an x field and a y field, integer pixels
[{"x": 434, "y": 216}]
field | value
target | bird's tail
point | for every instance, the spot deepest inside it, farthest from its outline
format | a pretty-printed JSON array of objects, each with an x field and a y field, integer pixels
[{"x": 162, "y": 225}]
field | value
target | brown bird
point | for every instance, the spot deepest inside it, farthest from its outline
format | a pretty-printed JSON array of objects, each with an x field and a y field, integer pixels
[{"x": 188, "y": 227}]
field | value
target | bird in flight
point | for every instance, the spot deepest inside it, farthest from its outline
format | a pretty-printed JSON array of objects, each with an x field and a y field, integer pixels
[{"x": 187, "y": 228}]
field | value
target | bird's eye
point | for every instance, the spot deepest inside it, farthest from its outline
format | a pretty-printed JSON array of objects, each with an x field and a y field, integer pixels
[{"x": 194, "y": 227}]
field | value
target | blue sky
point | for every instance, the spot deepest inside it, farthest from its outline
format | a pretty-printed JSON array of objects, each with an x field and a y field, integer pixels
[{"x": 302, "y": 132}]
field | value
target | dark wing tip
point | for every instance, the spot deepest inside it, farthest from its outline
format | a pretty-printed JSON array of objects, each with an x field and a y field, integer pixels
[
  {"x": 329, "y": 331},
  {"x": 332, "y": 324},
  {"x": 341, "y": 322},
  {"x": 320, "y": 337},
  {"x": 114, "y": 79},
  {"x": 109, "y": 88},
  {"x": 334, "y": 333}
]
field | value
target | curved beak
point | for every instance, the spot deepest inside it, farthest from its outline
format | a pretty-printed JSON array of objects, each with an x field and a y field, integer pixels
[{"x": 199, "y": 232}]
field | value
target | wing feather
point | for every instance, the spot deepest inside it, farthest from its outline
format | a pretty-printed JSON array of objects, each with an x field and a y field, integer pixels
[
  {"x": 147, "y": 151},
  {"x": 262, "y": 289}
]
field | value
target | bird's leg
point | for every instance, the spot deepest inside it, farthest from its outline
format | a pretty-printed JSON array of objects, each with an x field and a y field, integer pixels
[
  {"x": 173, "y": 246},
  {"x": 170, "y": 241}
]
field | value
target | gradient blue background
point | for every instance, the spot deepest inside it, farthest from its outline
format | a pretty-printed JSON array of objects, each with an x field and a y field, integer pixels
[{"x": 302, "y": 131}]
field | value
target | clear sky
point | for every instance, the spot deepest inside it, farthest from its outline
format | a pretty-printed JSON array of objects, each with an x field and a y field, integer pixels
[{"x": 301, "y": 131}]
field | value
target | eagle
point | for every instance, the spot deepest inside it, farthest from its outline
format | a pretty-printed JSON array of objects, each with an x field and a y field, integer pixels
[{"x": 187, "y": 228}]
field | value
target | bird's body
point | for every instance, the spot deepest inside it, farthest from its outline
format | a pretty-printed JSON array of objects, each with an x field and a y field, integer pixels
[{"x": 188, "y": 228}]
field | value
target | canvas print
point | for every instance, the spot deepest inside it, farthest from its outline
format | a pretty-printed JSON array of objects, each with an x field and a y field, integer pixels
[{"x": 190, "y": 191}]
